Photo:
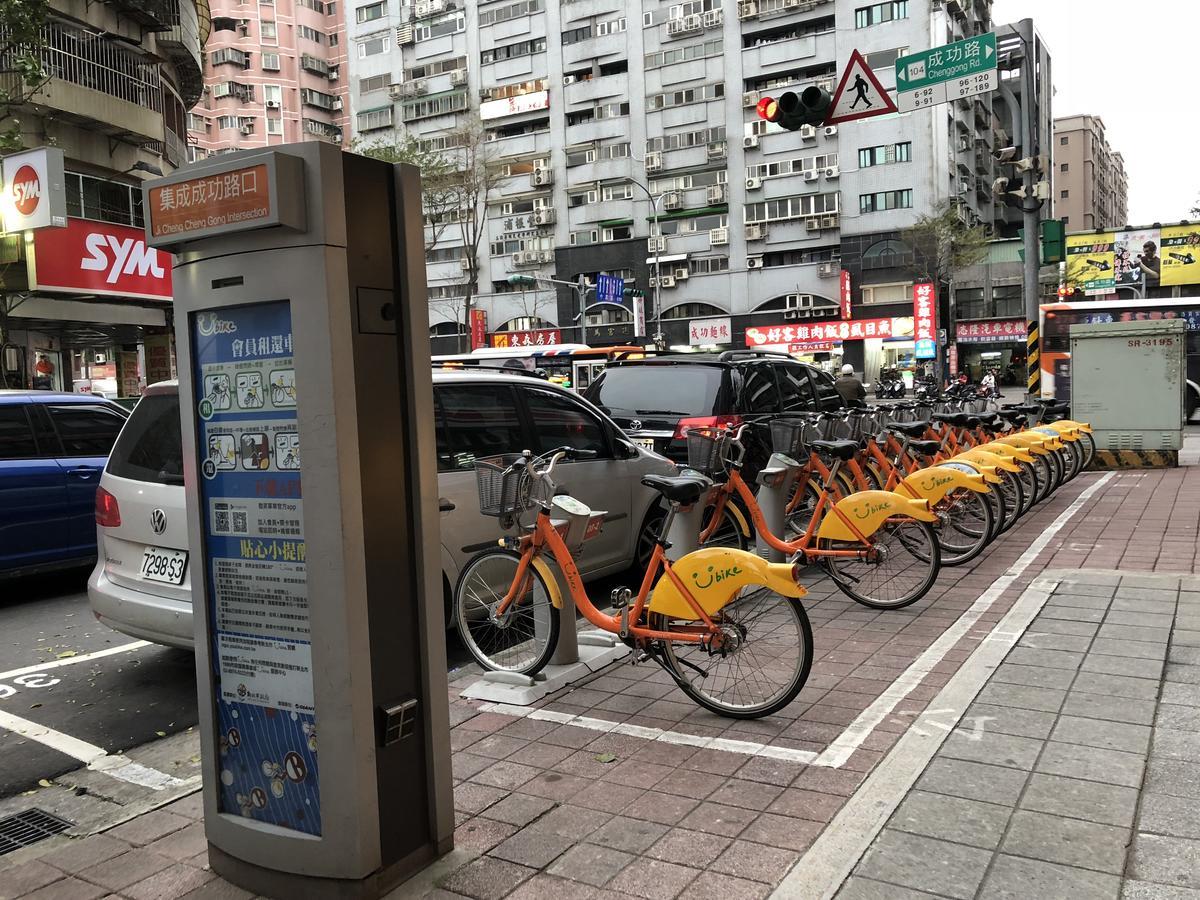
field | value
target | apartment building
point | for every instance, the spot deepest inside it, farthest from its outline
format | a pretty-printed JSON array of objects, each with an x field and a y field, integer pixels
[
  {"x": 631, "y": 147},
  {"x": 1091, "y": 189},
  {"x": 273, "y": 74}
]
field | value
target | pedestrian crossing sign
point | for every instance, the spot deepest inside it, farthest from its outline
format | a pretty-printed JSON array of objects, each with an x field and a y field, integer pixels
[{"x": 859, "y": 94}]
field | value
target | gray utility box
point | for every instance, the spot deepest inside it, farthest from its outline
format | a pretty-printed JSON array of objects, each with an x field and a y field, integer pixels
[{"x": 1128, "y": 381}]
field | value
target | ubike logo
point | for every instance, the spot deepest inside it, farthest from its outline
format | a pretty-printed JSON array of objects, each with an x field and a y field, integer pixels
[
  {"x": 868, "y": 509},
  {"x": 935, "y": 480},
  {"x": 117, "y": 256},
  {"x": 209, "y": 324},
  {"x": 26, "y": 190}
]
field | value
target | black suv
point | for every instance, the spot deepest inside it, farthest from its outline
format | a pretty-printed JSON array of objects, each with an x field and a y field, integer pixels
[{"x": 656, "y": 400}]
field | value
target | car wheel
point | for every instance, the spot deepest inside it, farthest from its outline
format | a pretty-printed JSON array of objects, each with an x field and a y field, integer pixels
[
  {"x": 1193, "y": 402},
  {"x": 647, "y": 536}
]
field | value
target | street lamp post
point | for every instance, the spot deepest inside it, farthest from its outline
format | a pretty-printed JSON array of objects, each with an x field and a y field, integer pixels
[
  {"x": 578, "y": 287},
  {"x": 655, "y": 199}
]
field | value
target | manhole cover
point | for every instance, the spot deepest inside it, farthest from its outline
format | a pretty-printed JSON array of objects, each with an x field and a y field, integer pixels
[{"x": 29, "y": 827}]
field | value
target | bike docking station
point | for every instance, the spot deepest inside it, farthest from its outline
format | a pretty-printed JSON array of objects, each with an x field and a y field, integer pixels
[
  {"x": 302, "y": 333},
  {"x": 776, "y": 481}
]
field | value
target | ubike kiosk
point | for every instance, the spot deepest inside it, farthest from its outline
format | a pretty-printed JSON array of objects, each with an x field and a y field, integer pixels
[{"x": 310, "y": 473}]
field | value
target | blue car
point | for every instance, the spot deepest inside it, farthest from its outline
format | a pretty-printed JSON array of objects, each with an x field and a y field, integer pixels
[{"x": 53, "y": 447}]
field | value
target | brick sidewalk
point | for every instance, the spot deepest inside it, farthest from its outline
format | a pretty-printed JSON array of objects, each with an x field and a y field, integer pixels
[{"x": 546, "y": 809}]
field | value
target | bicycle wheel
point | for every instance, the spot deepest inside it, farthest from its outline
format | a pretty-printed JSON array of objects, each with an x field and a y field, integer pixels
[
  {"x": 1029, "y": 485},
  {"x": 901, "y": 568},
  {"x": 764, "y": 661},
  {"x": 1089, "y": 449},
  {"x": 1043, "y": 469},
  {"x": 1073, "y": 454},
  {"x": 1056, "y": 470},
  {"x": 523, "y": 640},
  {"x": 967, "y": 524},
  {"x": 797, "y": 519},
  {"x": 1013, "y": 492},
  {"x": 729, "y": 531}
]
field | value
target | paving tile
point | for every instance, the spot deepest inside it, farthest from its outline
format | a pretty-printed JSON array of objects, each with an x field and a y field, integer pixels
[
  {"x": 26, "y": 878},
  {"x": 1106, "y": 804},
  {"x": 1183, "y": 674},
  {"x": 1176, "y": 744},
  {"x": 1122, "y": 665},
  {"x": 1142, "y": 616},
  {"x": 993, "y": 748},
  {"x": 591, "y": 864},
  {"x": 182, "y": 844},
  {"x": 1113, "y": 709},
  {"x": 610, "y": 798},
  {"x": 519, "y": 809},
  {"x": 694, "y": 848},
  {"x": 973, "y": 781},
  {"x": 811, "y": 805},
  {"x": 713, "y": 818},
  {"x": 535, "y": 849},
  {"x": 782, "y": 831},
  {"x": 1187, "y": 655},
  {"x": 1183, "y": 718},
  {"x": 475, "y": 798},
  {"x": 1033, "y": 676},
  {"x": 1116, "y": 686},
  {"x": 67, "y": 889},
  {"x": 1022, "y": 696},
  {"x": 1097, "y": 733},
  {"x": 859, "y": 888},
  {"x": 551, "y": 887},
  {"x": 1166, "y": 860},
  {"x": 630, "y": 835},
  {"x": 952, "y": 819},
  {"x": 219, "y": 889},
  {"x": 121, "y": 871},
  {"x": 654, "y": 879},
  {"x": 1055, "y": 611},
  {"x": 747, "y": 794},
  {"x": 1047, "y": 659},
  {"x": 755, "y": 862},
  {"x": 1062, "y": 626},
  {"x": 1015, "y": 878},
  {"x": 1071, "y": 842},
  {"x": 1121, "y": 647},
  {"x": 666, "y": 809},
  {"x": 714, "y": 886},
  {"x": 1133, "y": 633},
  {"x": 1182, "y": 694},
  {"x": 573, "y": 822},
  {"x": 1092, "y": 764},
  {"x": 83, "y": 853},
  {"x": 1164, "y": 814},
  {"x": 485, "y": 878},
  {"x": 174, "y": 881},
  {"x": 480, "y": 834},
  {"x": 909, "y": 860},
  {"x": 1145, "y": 890},
  {"x": 1173, "y": 776},
  {"x": 149, "y": 827}
]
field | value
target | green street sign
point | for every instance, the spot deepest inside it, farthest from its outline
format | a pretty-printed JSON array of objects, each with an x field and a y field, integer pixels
[{"x": 953, "y": 61}]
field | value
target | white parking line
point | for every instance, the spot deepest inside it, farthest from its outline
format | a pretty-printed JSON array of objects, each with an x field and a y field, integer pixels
[
  {"x": 72, "y": 660},
  {"x": 95, "y": 758}
]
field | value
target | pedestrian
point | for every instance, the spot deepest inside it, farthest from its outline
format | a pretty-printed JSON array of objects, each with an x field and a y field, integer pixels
[
  {"x": 850, "y": 388},
  {"x": 988, "y": 383}
]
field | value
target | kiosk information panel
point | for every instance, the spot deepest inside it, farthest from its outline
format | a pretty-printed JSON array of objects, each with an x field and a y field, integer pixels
[{"x": 254, "y": 564}]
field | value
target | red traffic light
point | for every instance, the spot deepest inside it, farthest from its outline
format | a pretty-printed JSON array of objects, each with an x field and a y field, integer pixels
[
  {"x": 768, "y": 109},
  {"x": 1065, "y": 291}
]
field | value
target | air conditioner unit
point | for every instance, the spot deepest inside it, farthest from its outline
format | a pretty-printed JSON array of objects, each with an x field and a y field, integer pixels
[
  {"x": 531, "y": 257},
  {"x": 652, "y": 281},
  {"x": 653, "y": 161},
  {"x": 753, "y": 184},
  {"x": 813, "y": 224},
  {"x": 458, "y": 76},
  {"x": 832, "y": 172},
  {"x": 673, "y": 200},
  {"x": 247, "y": 129},
  {"x": 333, "y": 74},
  {"x": 716, "y": 193},
  {"x": 681, "y": 274},
  {"x": 545, "y": 256},
  {"x": 718, "y": 236},
  {"x": 272, "y": 104},
  {"x": 244, "y": 28},
  {"x": 717, "y": 150},
  {"x": 808, "y": 132},
  {"x": 465, "y": 264},
  {"x": 964, "y": 143},
  {"x": 675, "y": 27},
  {"x": 812, "y": 175},
  {"x": 395, "y": 91},
  {"x": 750, "y": 99},
  {"x": 667, "y": 281},
  {"x": 518, "y": 259},
  {"x": 756, "y": 232},
  {"x": 829, "y": 221},
  {"x": 336, "y": 106},
  {"x": 541, "y": 176},
  {"x": 712, "y": 18},
  {"x": 656, "y": 245},
  {"x": 404, "y": 33},
  {"x": 754, "y": 262},
  {"x": 748, "y": 10},
  {"x": 750, "y": 141},
  {"x": 693, "y": 23},
  {"x": 790, "y": 315},
  {"x": 827, "y": 270},
  {"x": 830, "y": 130},
  {"x": 430, "y": 7},
  {"x": 544, "y": 216}
]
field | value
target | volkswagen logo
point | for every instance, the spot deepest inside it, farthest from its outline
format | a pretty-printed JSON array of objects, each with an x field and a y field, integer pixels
[
  {"x": 635, "y": 424},
  {"x": 158, "y": 521}
]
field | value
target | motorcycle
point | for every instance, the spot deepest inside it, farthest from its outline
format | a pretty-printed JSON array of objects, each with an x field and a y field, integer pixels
[{"x": 889, "y": 386}]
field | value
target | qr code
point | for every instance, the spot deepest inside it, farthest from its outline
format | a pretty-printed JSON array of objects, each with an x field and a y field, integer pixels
[
  {"x": 240, "y": 524},
  {"x": 221, "y": 521}
]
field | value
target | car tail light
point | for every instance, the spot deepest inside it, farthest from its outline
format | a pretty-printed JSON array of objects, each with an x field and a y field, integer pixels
[
  {"x": 108, "y": 513},
  {"x": 686, "y": 425}
]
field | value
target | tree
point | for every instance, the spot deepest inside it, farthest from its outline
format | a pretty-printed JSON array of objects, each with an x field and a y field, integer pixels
[
  {"x": 456, "y": 184},
  {"x": 22, "y": 73},
  {"x": 943, "y": 244},
  {"x": 1194, "y": 212}
]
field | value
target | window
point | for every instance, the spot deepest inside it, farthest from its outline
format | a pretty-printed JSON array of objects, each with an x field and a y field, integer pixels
[
  {"x": 888, "y": 293},
  {"x": 373, "y": 46},
  {"x": 227, "y": 121},
  {"x": 790, "y": 166},
  {"x": 86, "y": 430},
  {"x": 1063, "y": 195},
  {"x": 795, "y": 390},
  {"x": 791, "y": 208},
  {"x": 230, "y": 55},
  {"x": 104, "y": 201},
  {"x": 274, "y": 126},
  {"x": 612, "y": 26},
  {"x": 506, "y": 13},
  {"x": 375, "y": 118},
  {"x": 370, "y": 12},
  {"x": 513, "y": 51},
  {"x": 707, "y": 265},
  {"x": 273, "y": 93},
  {"x": 559, "y": 421},
  {"x": 1066, "y": 219},
  {"x": 16, "y": 434},
  {"x": 310, "y": 34},
  {"x": 575, "y": 35},
  {"x": 683, "y": 140},
  {"x": 312, "y": 4},
  {"x": 883, "y": 200},
  {"x": 885, "y": 59},
  {"x": 880, "y": 12},
  {"x": 887, "y": 254},
  {"x": 885, "y": 153},
  {"x": 374, "y": 83},
  {"x": 480, "y": 421},
  {"x": 684, "y": 97},
  {"x": 150, "y": 445},
  {"x": 270, "y": 62},
  {"x": 1064, "y": 167},
  {"x": 334, "y": 40},
  {"x": 437, "y": 67},
  {"x": 441, "y": 105},
  {"x": 194, "y": 123},
  {"x": 268, "y": 30},
  {"x": 759, "y": 394},
  {"x": 451, "y": 23},
  {"x": 682, "y": 54},
  {"x": 233, "y": 89},
  {"x": 1063, "y": 141},
  {"x": 515, "y": 89},
  {"x": 827, "y": 393}
]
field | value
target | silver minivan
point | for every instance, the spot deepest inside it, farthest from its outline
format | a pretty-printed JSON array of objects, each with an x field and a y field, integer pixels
[{"x": 142, "y": 581}]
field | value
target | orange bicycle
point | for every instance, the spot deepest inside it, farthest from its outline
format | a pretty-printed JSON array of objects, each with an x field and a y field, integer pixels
[{"x": 725, "y": 624}]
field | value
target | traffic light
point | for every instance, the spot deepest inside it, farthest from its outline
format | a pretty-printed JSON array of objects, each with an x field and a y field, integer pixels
[
  {"x": 792, "y": 110},
  {"x": 1053, "y": 242},
  {"x": 634, "y": 292}
]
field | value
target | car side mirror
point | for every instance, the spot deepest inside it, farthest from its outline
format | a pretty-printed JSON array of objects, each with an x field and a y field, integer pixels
[{"x": 626, "y": 450}]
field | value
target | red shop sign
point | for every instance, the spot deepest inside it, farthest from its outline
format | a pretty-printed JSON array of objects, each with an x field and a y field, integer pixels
[
  {"x": 478, "y": 328},
  {"x": 541, "y": 337},
  {"x": 820, "y": 331},
  {"x": 991, "y": 330},
  {"x": 924, "y": 313},
  {"x": 844, "y": 297},
  {"x": 90, "y": 257}
]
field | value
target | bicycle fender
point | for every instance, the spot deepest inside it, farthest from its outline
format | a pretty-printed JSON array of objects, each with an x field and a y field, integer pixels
[
  {"x": 935, "y": 482},
  {"x": 1065, "y": 424},
  {"x": 713, "y": 576},
  {"x": 1006, "y": 451},
  {"x": 987, "y": 458},
  {"x": 543, "y": 569},
  {"x": 868, "y": 510},
  {"x": 739, "y": 517},
  {"x": 990, "y": 474},
  {"x": 1033, "y": 443},
  {"x": 1064, "y": 434}
]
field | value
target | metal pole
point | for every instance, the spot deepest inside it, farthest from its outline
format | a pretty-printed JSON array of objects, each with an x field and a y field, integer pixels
[
  {"x": 658, "y": 335},
  {"x": 1030, "y": 207}
]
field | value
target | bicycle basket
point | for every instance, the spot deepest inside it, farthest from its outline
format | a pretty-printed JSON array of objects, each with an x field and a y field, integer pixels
[
  {"x": 836, "y": 429},
  {"x": 707, "y": 449},
  {"x": 501, "y": 492},
  {"x": 792, "y": 436}
]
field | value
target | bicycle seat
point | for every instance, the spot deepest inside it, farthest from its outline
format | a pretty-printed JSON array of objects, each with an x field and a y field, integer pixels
[
  {"x": 912, "y": 429},
  {"x": 1029, "y": 408},
  {"x": 683, "y": 489},
  {"x": 926, "y": 448},
  {"x": 973, "y": 421},
  {"x": 958, "y": 419},
  {"x": 843, "y": 450},
  {"x": 1012, "y": 415}
]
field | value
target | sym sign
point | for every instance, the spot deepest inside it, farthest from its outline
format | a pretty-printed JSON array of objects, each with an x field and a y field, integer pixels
[
  {"x": 34, "y": 190},
  {"x": 100, "y": 258}
]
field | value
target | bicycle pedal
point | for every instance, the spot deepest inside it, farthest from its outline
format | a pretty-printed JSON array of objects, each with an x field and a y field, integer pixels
[{"x": 620, "y": 597}]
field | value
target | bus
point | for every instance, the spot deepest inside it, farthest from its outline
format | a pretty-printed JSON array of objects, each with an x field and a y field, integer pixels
[
  {"x": 1057, "y": 319},
  {"x": 571, "y": 365}
]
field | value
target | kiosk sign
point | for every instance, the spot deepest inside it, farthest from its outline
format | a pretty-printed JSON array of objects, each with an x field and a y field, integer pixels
[{"x": 254, "y": 562}]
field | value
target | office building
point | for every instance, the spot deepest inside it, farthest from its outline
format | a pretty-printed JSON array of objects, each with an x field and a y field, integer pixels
[
  {"x": 601, "y": 115},
  {"x": 273, "y": 74},
  {"x": 87, "y": 297},
  {"x": 1091, "y": 190}
]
